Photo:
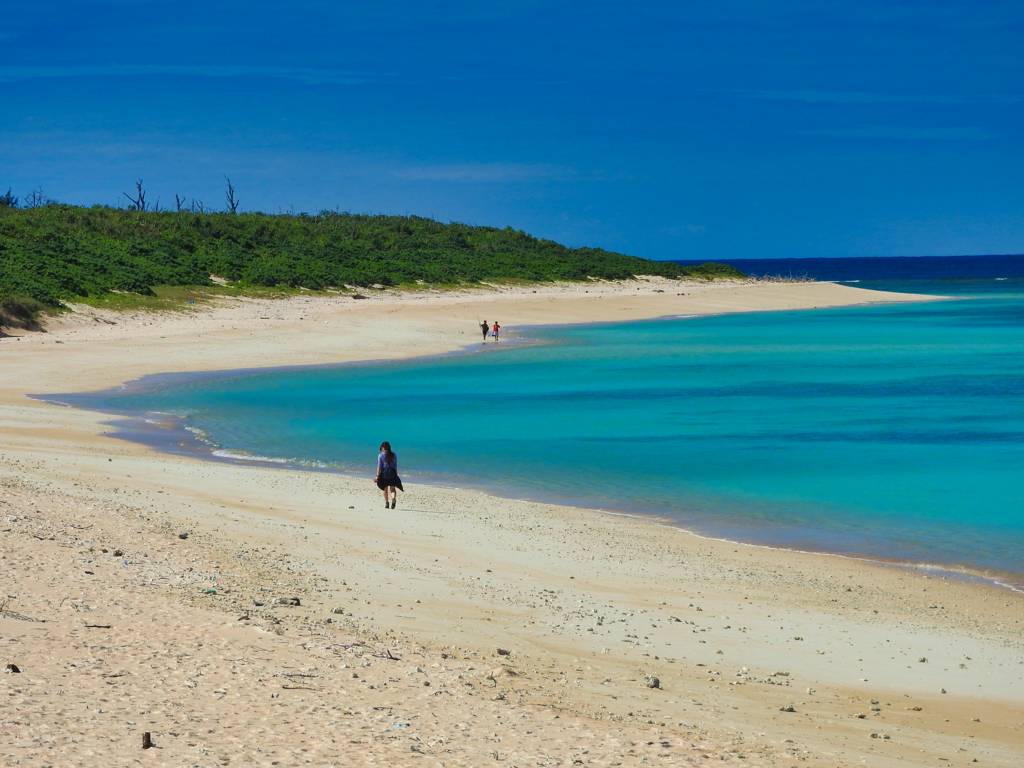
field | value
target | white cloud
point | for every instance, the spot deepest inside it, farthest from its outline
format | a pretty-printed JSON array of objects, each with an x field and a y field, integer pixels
[
  {"x": 909, "y": 134},
  {"x": 686, "y": 229},
  {"x": 13, "y": 72},
  {"x": 863, "y": 97},
  {"x": 476, "y": 173}
]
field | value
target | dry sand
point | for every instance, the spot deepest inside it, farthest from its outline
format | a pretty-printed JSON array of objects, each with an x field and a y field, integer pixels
[{"x": 120, "y": 627}]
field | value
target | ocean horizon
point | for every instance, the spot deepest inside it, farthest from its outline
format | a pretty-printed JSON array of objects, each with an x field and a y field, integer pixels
[{"x": 889, "y": 432}]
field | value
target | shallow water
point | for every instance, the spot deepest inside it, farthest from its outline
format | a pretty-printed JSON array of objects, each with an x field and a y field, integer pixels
[{"x": 895, "y": 432}]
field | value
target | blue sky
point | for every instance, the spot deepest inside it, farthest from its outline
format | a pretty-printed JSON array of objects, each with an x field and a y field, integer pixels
[{"x": 691, "y": 130}]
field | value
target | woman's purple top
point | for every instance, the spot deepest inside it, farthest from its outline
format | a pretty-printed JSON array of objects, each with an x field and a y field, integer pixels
[{"x": 383, "y": 462}]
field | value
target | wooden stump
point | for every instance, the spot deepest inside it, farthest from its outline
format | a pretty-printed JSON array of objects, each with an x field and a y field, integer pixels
[{"x": 147, "y": 742}]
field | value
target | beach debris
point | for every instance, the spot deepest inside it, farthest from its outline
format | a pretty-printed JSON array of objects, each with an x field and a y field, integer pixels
[
  {"x": 118, "y": 553},
  {"x": 720, "y": 653},
  {"x": 651, "y": 681},
  {"x": 810, "y": 690},
  {"x": 183, "y": 535},
  {"x": 943, "y": 690},
  {"x": 780, "y": 674},
  {"x": 861, "y": 716},
  {"x": 923, "y": 660},
  {"x": 497, "y": 672},
  {"x": 503, "y": 652},
  {"x": 12, "y": 669},
  {"x": 340, "y": 611},
  {"x": 98, "y": 626},
  {"x": 147, "y": 740},
  {"x": 288, "y": 601},
  {"x": 787, "y": 708},
  {"x": 975, "y": 719},
  {"x": 879, "y": 736}
]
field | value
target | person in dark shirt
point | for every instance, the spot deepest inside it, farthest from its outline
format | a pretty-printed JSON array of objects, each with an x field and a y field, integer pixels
[
  {"x": 387, "y": 478},
  {"x": 485, "y": 327}
]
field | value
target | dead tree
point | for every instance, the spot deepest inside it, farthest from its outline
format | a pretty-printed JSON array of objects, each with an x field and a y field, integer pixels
[
  {"x": 179, "y": 202},
  {"x": 230, "y": 197},
  {"x": 197, "y": 206},
  {"x": 139, "y": 201},
  {"x": 37, "y": 198}
]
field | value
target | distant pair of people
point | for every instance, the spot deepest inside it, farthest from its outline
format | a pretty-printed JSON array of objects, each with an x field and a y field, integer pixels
[{"x": 495, "y": 330}]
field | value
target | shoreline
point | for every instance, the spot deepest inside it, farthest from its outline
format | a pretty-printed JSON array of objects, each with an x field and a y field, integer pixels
[
  {"x": 158, "y": 436},
  {"x": 586, "y": 604}
]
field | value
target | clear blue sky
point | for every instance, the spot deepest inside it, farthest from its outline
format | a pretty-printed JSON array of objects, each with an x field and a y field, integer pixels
[{"x": 660, "y": 129}]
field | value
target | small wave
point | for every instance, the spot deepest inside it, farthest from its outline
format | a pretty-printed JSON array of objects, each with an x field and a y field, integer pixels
[
  {"x": 1000, "y": 278},
  {"x": 248, "y": 457}
]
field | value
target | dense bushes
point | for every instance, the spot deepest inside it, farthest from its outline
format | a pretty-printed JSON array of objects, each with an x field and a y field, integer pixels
[
  {"x": 19, "y": 312},
  {"x": 55, "y": 252}
]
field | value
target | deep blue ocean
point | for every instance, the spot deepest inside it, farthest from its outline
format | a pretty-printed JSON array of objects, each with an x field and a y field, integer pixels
[
  {"x": 947, "y": 275},
  {"x": 893, "y": 432}
]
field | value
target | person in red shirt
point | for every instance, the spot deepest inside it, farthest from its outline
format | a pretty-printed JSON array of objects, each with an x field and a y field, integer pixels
[{"x": 494, "y": 331}]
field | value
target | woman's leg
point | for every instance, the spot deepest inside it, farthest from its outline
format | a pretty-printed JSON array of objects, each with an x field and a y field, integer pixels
[
  {"x": 394, "y": 496},
  {"x": 386, "y": 498}
]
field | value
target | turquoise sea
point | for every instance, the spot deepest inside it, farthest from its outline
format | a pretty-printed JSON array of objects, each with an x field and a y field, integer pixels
[{"x": 892, "y": 432}]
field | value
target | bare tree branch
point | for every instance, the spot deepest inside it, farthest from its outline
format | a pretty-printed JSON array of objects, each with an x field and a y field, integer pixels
[
  {"x": 37, "y": 198},
  {"x": 139, "y": 201},
  {"x": 230, "y": 197}
]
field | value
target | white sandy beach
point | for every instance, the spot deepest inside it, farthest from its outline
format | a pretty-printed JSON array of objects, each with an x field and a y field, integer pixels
[{"x": 121, "y": 627}]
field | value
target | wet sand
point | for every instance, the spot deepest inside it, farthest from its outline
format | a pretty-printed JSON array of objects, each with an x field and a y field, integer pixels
[{"x": 391, "y": 655}]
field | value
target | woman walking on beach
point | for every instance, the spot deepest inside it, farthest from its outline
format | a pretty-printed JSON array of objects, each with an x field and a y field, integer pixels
[{"x": 387, "y": 478}]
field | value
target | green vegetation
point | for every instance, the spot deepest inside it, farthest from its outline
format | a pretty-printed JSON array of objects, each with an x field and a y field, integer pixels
[
  {"x": 20, "y": 312},
  {"x": 51, "y": 252}
]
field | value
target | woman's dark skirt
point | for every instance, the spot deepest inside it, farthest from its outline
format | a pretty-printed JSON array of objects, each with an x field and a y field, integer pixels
[{"x": 387, "y": 482}]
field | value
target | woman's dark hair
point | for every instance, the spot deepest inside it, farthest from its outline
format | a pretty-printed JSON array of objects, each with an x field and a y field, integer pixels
[{"x": 389, "y": 455}]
